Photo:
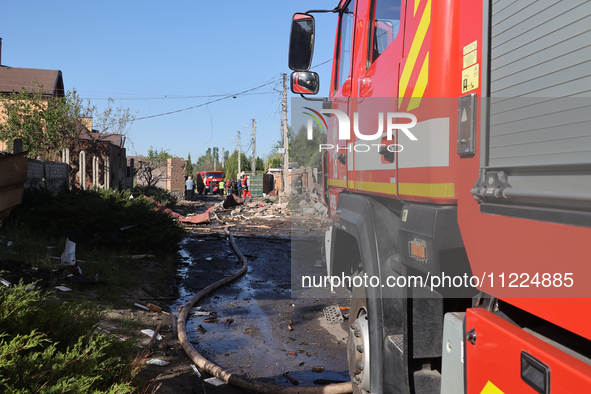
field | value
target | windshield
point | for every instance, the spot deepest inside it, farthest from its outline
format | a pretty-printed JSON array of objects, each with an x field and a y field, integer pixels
[{"x": 217, "y": 174}]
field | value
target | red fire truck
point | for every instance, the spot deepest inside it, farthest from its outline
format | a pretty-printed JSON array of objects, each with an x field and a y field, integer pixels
[
  {"x": 494, "y": 190},
  {"x": 211, "y": 180}
]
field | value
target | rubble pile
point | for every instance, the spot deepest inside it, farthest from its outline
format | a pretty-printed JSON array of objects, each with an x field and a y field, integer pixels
[{"x": 313, "y": 205}]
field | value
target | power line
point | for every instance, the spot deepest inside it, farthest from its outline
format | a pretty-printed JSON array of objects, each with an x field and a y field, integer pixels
[
  {"x": 209, "y": 102},
  {"x": 166, "y": 97},
  {"x": 318, "y": 65},
  {"x": 225, "y": 97}
]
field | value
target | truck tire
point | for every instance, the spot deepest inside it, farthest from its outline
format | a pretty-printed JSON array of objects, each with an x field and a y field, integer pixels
[{"x": 358, "y": 348}]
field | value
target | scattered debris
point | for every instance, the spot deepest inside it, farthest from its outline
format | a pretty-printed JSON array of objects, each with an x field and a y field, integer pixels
[
  {"x": 69, "y": 256},
  {"x": 151, "y": 333},
  {"x": 199, "y": 218},
  {"x": 232, "y": 200},
  {"x": 214, "y": 381},
  {"x": 63, "y": 288},
  {"x": 211, "y": 320},
  {"x": 141, "y": 306},
  {"x": 196, "y": 370},
  {"x": 153, "y": 307},
  {"x": 110, "y": 333},
  {"x": 201, "y": 313},
  {"x": 318, "y": 369},
  {"x": 155, "y": 361},
  {"x": 333, "y": 315}
]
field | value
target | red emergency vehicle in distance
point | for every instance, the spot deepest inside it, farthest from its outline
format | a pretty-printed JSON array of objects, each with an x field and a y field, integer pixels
[
  {"x": 496, "y": 187},
  {"x": 211, "y": 179}
]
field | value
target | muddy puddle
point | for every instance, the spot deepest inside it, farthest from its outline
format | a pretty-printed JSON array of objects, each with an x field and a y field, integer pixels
[{"x": 254, "y": 328}]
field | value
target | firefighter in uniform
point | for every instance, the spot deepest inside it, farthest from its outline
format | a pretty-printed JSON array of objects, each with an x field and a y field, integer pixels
[{"x": 246, "y": 192}]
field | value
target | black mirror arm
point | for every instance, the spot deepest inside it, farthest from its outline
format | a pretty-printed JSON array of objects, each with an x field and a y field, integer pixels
[
  {"x": 311, "y": 99},
  {"x": 334, "y": 10}
]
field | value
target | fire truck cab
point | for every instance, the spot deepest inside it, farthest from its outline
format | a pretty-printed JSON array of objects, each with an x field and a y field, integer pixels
[{"x": 494, "y": 189}]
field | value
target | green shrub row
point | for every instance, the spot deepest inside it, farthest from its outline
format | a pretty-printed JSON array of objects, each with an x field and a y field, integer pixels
[
  {"x": 48, "y": 346},
  {"x": 97, "y": 218},
  {"x": 163, "y": 197}
]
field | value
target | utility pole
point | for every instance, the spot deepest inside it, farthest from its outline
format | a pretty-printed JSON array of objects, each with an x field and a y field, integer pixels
[
  {"x": 285, "y": 141},
  {"x": 239, "y": 153},
  {"x": 254, "y": 160},
  {"x": 222, "y": 157}
]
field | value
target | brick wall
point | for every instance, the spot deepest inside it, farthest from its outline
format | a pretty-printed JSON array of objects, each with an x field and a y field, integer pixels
[{"x": 176, "y": 174}]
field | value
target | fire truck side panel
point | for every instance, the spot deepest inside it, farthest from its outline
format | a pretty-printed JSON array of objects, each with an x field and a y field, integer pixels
[
  {"x": 532, "y": 234},
  {"x": 511, "y": 360}
]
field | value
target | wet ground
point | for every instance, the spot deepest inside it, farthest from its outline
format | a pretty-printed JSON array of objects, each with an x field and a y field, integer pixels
[{"x": 258, "y": 329}]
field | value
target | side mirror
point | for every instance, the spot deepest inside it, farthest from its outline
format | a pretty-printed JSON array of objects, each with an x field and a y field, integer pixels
[
  {"x": 301, "y": 42},
  {"x": 305, "y": 82}
]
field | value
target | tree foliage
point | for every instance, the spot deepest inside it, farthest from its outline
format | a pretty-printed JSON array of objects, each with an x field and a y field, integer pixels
[
  {"x": 151, "y": 169},
  {"x": 189, "y": 166},
  {"x": 47, "y": 125},
  {"x": 44, "y": 125},
  {"x": 209, "y": 160},
  {"x": 231, "y": 165},
  {"x": 260, "y": 164},
  {"x": 301, "y": 150},
  {"x": 111, "y": 120},
  {"x": 304, "y": 151}
]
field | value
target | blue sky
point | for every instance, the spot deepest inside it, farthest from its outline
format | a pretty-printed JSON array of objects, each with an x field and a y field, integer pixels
[{"x": 158, "y": 57}]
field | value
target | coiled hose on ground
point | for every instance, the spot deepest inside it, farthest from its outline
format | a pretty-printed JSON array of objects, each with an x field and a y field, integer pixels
[{"x": 233, "y": 379}]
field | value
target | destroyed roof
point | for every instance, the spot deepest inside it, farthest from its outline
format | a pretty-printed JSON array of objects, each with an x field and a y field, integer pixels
[
  {"x": 114, "y": 139},
  {"x": 15, "y": 79}
]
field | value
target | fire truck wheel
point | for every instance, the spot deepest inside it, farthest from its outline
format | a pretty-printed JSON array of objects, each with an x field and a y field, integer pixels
[{"x": 358, "y": 351}]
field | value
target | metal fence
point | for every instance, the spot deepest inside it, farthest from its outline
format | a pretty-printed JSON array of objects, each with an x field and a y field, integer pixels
[{"x": 47, "y": 174}]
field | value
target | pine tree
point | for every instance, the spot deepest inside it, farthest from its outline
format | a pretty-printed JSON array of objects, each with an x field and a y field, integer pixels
[{"x": 189, "y": 166}]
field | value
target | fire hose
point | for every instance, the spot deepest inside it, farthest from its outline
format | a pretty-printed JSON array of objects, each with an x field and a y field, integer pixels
[{"x": 225, "y": 375}]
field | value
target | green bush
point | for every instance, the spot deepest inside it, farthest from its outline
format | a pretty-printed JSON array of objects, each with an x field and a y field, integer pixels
[
  {"x": 163, "y": 197},
  {"x": 48, "y": 346},
  {"x": 98, "y": 218}
]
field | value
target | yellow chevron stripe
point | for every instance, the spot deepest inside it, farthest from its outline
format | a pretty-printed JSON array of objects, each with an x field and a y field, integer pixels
[
  {"x": 415, "y": 48},
  {"x": 417, "y": 2},
  {"x": 420, "y": 85}
]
